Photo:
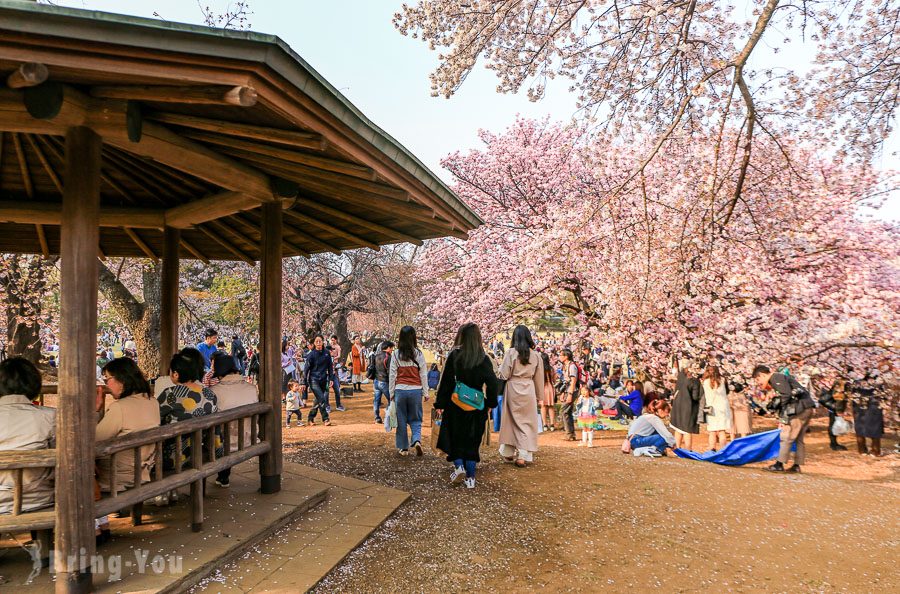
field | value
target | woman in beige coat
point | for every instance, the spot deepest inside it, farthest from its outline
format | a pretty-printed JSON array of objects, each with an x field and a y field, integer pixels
[
  {"x": 523, "y": 370},
  {"x": 132, "y": 409}
]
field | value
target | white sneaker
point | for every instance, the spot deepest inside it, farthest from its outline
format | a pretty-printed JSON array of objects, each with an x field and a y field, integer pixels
[
  {"x": 470, "y": 483},
  {"x": 457, "y": 473}
]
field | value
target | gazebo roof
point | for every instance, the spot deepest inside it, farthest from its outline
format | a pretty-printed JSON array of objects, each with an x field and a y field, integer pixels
[{"x": 200, "y": 127}]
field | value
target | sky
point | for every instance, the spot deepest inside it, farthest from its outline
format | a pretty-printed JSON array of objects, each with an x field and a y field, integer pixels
[{"x": 354, "y": 45}]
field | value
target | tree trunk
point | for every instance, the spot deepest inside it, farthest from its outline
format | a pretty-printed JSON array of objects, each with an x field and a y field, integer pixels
[
  {"x": 141, "y": 318},
  {"x": 340, "y": 328},
  {"x": 24, "y": 282}
]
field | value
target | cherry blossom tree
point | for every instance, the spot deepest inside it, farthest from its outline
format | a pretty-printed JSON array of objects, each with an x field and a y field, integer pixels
[
  {"x": 650, "y": 71},
  {"x": 642, "y": 265}
]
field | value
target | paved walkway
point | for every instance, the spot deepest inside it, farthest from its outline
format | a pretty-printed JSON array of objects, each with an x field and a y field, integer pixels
[
  {"x": 308, "y": 527},
  {"x": 297, "y": 557}
]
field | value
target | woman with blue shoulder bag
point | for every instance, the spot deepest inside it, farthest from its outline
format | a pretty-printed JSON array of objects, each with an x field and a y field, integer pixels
[{"x": 467, "y": 390}]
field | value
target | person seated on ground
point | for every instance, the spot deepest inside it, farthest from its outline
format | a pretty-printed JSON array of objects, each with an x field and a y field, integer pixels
[
  {"x": 608, "y": 400},
  {"x": 231, "y": 392},
  {"x": 24, "y": 426},
  {"x": 595, "y": 383},
  {"x": 184, "y": 400},
  {"x": 615, "y": 380},
  {"x": 631, "y": 404},
  {"x": 648, "y": 430}
]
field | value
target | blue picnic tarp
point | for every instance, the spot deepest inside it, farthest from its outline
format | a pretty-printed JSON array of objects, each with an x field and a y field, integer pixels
[{"x": 758, "y": 447}]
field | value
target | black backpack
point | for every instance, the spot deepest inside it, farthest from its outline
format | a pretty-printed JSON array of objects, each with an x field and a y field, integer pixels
[{"x": 370, "y": 370}]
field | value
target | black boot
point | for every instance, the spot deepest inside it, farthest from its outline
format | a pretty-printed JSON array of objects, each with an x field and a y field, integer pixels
[
  {"x": 777, "y": 467},
  {"x": 794, "y": 468}
]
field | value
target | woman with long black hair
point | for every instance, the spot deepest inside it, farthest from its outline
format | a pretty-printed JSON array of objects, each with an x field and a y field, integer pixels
[
  {"x": 523, "y": 370},
  {"x": 467, "y": 390},
  {"x": 407, "y": 385},
  {"x": 318, "y": 375},
  {"x": 548, "y": 398}
]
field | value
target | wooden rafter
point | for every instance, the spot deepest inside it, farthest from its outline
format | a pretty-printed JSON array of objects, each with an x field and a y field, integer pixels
[
  {"x": 162, "y": 194},
  {"x": 307, "y": 140},
  {"x": 335, "y": 230},
  {"x": 161, "y": 175},
  {"x": 45, "y": 162},
  {"x": 240, "y": 96},
  {"x": 330, "y": 177},
  {"x": 376, "y": 227},
  {"x": 315, "y": 161},
  {"x": 194, "y": 251},
  {"x": 51, "y": 145},
  {"x": 23, "y": 166},
  {"x": 42, "y": 239},
  {"x": 256, "y": 222},
  {"x": 240, "y": 255},
  {"x": 141, "y": 244},
  {"x": 253, "y": 228}
]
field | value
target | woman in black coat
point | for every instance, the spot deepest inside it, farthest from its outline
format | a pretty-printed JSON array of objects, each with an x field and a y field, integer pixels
[
  {"x": 462, "y": 430},
  {"x": 685, "y": 407}
]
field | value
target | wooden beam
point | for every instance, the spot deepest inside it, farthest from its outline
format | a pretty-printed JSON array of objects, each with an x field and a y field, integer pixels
[
  {"x": 307, "y": 140},
  {"x": 328, "y": 185},
  {"x": 236, "y": 252},
  {"x": 209, "y": 208},
  {"x": 42, "y": 239},
  {"x": 49, "y": 142},
  {"x": 270, "y": 273},
  {"x": 23, "y": 166},
  {"x": 376, "y": 227},
  {"x": 168, "y": 306},
  {"x": 27, "y": 75},
  {"x": 366, "y": 185},
  {"x": 302, "y": 218},
  {"x": 45, "y": 162},
  {"x": 44, "y": 213},
  {"x": 225, "y": 230},
  {"x": 76, "y": 420},
  {"x": 141, "y": 244},
  {"x": 188, "y": 156},
  {"x": 239, "y": 96},
  {"x": 315, "y": 161},
  {"x": 256, "y": 227},
  {"x": 194, "y": 251},
  {"x": 109, "y": 118}
]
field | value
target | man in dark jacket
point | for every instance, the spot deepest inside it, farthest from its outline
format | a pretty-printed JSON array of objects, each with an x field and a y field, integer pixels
[
  {"x": 239, "y": 353},
  {"x": 381, "y": 360},
  {"x": 794, "y": 407}
]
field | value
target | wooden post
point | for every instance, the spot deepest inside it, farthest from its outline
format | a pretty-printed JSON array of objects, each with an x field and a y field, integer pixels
[
  {"x": 168, "y": 323},
  {"x": 75, "y": 420},
  {"x": 270, "y": 344}
]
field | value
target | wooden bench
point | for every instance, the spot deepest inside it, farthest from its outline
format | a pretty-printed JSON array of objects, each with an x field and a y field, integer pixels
[{"x": 202, "y": 465}]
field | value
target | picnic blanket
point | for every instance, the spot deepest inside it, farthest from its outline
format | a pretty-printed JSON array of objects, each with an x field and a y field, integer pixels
[{"x": 758, "y": 447}]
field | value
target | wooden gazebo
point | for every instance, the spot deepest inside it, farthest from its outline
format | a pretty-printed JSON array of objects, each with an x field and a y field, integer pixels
[{"x": 131, "y": 137}]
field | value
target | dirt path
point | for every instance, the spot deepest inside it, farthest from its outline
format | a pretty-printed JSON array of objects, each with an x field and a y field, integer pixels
[{"x": 582, "y": 519}]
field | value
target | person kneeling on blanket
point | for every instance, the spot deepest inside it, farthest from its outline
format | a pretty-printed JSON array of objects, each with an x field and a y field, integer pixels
[{"x": 649, "y": 431}]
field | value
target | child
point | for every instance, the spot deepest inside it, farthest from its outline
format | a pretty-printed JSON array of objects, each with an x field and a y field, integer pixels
[
  {"x": 586, "y": 415},
  {"x": 434, "y": 377},
  {"x": 293, "y": 403}
]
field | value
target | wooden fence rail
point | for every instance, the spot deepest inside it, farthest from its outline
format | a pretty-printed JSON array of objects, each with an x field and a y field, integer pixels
[{"x": 202, "y": 431}]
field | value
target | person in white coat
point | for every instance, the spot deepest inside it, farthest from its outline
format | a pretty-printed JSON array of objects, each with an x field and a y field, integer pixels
[{"x": 718, "y": 410}]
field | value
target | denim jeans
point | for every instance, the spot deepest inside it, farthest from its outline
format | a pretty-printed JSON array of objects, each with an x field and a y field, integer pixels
[
  {"x": 381, "y": 390},
  {"x": 468, "y": 465},
  {"x": 495, "y": 413},
  {"x": 321, "y": 400},
  {"x": 656, "y": 440},
  {"x": 409, "y": 412}
]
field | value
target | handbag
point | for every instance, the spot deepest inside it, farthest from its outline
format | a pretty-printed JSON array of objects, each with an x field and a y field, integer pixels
[
  {"x": 841, "y": 426},
  {"x": 467, "y": 398},
  {"x": 435, "y": 428}
]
